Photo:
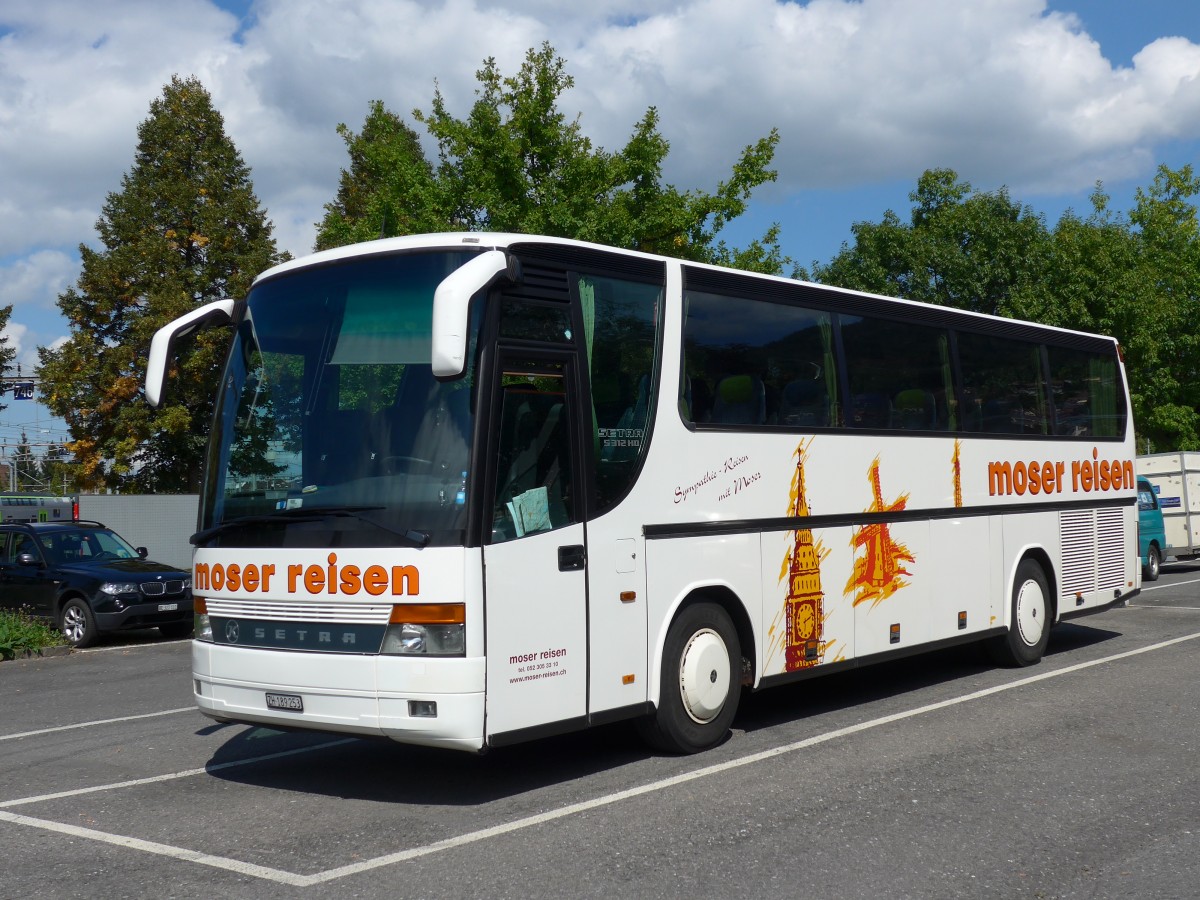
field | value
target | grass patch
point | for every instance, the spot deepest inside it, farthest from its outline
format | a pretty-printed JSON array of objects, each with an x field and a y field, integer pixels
[{"x": 20, "y": 632}]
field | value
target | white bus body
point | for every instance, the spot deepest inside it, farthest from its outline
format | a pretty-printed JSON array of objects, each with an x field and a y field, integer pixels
[{"x": 708, "y": 537}]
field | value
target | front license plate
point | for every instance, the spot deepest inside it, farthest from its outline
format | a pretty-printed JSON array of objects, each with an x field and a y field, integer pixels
[
  {"x": 168, "y": 607},
  {"x": 290, "y": 702}
]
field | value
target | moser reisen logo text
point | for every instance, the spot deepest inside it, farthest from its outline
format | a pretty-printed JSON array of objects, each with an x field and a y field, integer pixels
[
  {"x": 329, "y": 579},
  {"x": 1056, "y": 476}
]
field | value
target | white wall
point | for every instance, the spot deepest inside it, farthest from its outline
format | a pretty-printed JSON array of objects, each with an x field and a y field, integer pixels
[{"x": 162, "y": 523}]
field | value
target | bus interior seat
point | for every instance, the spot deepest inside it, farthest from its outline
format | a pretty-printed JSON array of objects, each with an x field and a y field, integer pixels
[
  {"x": 804, "y": 403},
  {"x": 870, "y": 410},
  {"x": 997, "y": 417},
  {"x": 740, "y": 400},
  {"x": 914, "y": 410}
]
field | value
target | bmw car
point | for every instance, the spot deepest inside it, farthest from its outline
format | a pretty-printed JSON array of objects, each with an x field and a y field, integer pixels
[{"x": 89, "y": 581}]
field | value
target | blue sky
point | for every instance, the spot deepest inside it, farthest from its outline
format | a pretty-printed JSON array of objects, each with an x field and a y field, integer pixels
[{"x": 1043, "y": 96}]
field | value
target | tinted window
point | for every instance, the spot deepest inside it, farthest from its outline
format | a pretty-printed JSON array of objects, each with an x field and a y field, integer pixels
[
  {"x": 620, "y": 323},
  {"x": 755, "y": 363},
  {"x": 1003, "y": 388},
  {"x": 1088, "y": 396},
  {"x": 899, "y": 375}
]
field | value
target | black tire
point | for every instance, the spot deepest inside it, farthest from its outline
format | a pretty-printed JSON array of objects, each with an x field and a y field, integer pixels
[
  {"x": 1029, "y": 626},
  {"x": 701, "y": 682},
  {"x": 176, "y": 630},
  {"x": 1153, "y": 562},
  {"x": 76, "y": 622}
]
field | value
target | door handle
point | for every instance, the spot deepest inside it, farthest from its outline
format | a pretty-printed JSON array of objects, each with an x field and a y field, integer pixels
[{"x": 571, "y": 558}]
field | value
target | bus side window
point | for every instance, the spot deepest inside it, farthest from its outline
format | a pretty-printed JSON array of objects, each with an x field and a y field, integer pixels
[
  {"x": 1003, "y": 385},
  {"x": 621, "y": 320}
]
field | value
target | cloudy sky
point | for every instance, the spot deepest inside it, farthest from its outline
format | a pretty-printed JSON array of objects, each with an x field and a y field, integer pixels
[{"x": 1044, "y": 96}]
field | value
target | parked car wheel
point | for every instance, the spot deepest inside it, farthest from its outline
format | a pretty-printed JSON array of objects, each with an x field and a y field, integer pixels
[
  {"x": 1153, "y": 561},
  {"x": 77, "y": 623}
]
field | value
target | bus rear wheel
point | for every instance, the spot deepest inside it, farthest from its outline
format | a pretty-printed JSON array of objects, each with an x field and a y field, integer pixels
[
  {"x": 1029, "y": 627},
  {"x": 700, "y": 683}
]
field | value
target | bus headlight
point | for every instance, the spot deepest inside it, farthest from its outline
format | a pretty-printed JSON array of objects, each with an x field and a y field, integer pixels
[
  {"x": 203, "y": 629},
  {"x": 426, "y": 629}
]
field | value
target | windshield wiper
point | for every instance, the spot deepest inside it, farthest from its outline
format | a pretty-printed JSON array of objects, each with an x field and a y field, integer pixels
[{"x": 315, "y": 514}]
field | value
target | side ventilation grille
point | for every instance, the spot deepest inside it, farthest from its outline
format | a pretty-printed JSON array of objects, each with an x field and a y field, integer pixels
[{"x": 1093, "y": 551}]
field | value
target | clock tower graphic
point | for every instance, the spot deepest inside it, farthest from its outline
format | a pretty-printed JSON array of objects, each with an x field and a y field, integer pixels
[{"x": 805, "y": 604}]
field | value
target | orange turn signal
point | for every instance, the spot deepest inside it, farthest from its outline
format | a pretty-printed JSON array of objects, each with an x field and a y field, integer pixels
[{"x": 428, "y": 614}]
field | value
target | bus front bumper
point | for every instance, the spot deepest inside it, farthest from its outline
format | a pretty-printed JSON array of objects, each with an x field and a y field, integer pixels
[{"x": 436, "y": 702}]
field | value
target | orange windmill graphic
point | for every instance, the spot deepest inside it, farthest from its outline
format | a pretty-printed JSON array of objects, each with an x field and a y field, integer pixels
[
  {"x": 805, "y": 603},
  {"x": 878, "y": 571}
]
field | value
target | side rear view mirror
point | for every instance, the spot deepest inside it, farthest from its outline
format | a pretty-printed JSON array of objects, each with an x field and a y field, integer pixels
[
  {"x": 451, "y": 301},
  {"x": 219, "y": 312}
]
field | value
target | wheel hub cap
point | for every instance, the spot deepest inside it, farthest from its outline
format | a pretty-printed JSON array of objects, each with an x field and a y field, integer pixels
[
  {"x": 704, "y": 675},
  {"x": 1031, "y": 613}
]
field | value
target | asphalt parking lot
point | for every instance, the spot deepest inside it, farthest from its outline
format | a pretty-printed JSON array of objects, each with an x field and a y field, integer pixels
[{"x": 939, "y": 776}]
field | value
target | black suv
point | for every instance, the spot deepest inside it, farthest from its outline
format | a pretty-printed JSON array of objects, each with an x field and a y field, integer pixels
[{"x": 89, "y": 580}]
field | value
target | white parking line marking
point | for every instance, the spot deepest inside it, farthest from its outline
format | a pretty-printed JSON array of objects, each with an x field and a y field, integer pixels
[
  {"x": 1159, "y": 587},
  {"x": 180, "y": 853},
  {"x": 173, "y": 776},
  {"x": 165, "y": 712},
  {"x": 293, "y": 879}
]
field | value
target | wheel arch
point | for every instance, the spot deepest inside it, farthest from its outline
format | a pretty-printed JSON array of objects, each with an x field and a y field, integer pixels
[
  {"x": 68, "y": 594},
  {"x": 720, "y": 595},
  {"x": 1038, "y": 555}
]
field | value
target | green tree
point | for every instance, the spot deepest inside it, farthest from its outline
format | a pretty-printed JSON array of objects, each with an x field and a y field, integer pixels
[
  {"x": 184, "y": 230},
  {"x": 972, "y": 250},
  {"x": 389, "y": 188},
  {"x": 58, "y": 471},
  {"x": 27, "y": 469},
  {"x": 1135, "y": 277},
  {"x": 517, "y": 163},
  {"x": 8, "y": 353},
  {"x": 1164, "y": 361}
]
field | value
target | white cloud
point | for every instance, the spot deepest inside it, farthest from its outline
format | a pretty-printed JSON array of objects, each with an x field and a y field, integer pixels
[
  {"x": 37, "y": 279},
  {"x": 876, "y": 90},
  {"x": 13, "y": 333}
]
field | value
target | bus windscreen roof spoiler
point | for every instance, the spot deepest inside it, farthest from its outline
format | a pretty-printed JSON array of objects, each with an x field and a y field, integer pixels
[
  {"x": 219, "y": 312},
  {"x": 452, "y": 300}
]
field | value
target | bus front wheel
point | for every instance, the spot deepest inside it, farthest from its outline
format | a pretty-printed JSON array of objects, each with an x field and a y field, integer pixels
[
  {"x": 701, "y": 682},
  {"x": 1029, "y": 627}
]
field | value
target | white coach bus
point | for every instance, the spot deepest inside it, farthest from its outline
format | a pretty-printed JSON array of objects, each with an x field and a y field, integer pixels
[{"x": 464, "y": 490}]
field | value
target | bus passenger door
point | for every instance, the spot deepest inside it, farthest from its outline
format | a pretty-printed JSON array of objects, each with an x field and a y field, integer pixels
[{"x": 535, "y": 558}]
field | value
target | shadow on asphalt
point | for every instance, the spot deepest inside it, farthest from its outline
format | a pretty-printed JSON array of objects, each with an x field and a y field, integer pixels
[{"x": 387, "y": 772}]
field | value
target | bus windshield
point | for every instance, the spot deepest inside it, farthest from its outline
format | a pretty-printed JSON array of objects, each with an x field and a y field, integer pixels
[{"x": 330, "y": 423}]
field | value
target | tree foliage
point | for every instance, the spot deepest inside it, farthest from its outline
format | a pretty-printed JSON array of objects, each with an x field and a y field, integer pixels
[
  {"x": 8, "y": 353},
  {"x": 184, "y": 230},
  {"x": 1136, "y": 277},
  {"x": 516, "y": 163}
]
